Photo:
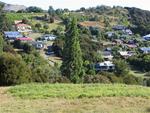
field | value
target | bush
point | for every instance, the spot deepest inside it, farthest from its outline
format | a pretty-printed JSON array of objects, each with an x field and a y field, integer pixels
[
  {"x": 130, "y": 79},
  {"x": 58, "y": 79},
  {"x": 96, "y": 79},
  {"x": 121, "y": 68},
  {"x": 113, "y": 78},
  {"x": 13, "y": 70},
  {"x": 148, "y": 82}
]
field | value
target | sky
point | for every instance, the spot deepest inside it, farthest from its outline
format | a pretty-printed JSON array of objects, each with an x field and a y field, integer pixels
[{"x": 76, "y": 4}]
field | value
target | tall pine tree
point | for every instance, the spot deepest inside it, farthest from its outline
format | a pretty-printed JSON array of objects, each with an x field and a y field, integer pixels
[{"x": 72, "y": 66}]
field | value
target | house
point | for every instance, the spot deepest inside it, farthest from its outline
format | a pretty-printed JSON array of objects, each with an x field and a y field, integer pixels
[
  {"x": 110, "y": 34},
  {"x": 147, "y": 37},
  {"x": 119, "y": 27},
  {"x": 12, "y": 35},
  {"x": 104, "y": 66},
  {"x": 38, "y": 44},
  {"x": 145, "y": 50},
  {"x": 126, "y": 54},
  {"x": 127, "y": 32},
  {"x": 23, "y": 28},
  {"x": 48, "y": 37},
  {"x": 17, "y": 22},
  {"x": 24, "y": 39},
  {"x": 118, "y": 41},
  {"x": 108, "y": 49},
  {"x": 107, "y": 55},
  {"x": 131, "y": 45}
]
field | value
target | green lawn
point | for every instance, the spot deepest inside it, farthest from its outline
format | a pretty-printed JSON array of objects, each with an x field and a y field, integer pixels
[
  {"x": 40, "y": 91},
  {"x": 74, "y": 98}
]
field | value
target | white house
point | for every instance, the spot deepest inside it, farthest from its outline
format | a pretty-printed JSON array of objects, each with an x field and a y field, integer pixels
[
  {"x": 48, "y": 37},
  {"x": 126, "y": 54},
  {"x": 147, "y": 37},
  {"x": 104, "y": 66}
]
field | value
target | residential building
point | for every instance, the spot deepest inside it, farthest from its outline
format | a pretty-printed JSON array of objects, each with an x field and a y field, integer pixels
[
  {"x": 12, "y": 35},
  {"x": 107, "y": 55},
  {"x": 38, "y": 44},
  {"x": 147, "y": 37},
  {"x": 104, "y": 66},
  {"x": 119, "y": 27},
  {"x": 23, "y": 28},
  {"x": 126, "y": 54},
  {"x": 145, "y": 50},
  {"x": 48, "y": 37},
  {"x": 25, "y": 39}
]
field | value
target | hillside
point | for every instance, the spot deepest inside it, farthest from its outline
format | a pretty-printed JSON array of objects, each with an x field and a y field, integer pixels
[
  {"x": 12, "y": 7},
  {"x": 141, "y": 19}
]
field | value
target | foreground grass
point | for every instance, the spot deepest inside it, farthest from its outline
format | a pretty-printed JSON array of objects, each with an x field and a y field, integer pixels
[
  {"x": 73, "y": 91},
  {"x": 118, "y": 103}
]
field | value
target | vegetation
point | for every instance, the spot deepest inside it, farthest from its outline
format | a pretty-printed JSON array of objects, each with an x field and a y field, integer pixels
[
  {"x": 13, "y": 70},
  {"x": 37, "y": 91},
  {"x": 1, "y": 44},
  {"x": 34, "y": 9},
  {"x": 141, "y": 20},
  {"x": 72, "y": 66}
]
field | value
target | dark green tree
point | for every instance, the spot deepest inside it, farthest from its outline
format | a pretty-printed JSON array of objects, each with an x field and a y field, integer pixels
[
  {"x": 121, "y": 68},
  {"x": 72, "y": 66},
  {"x": 13, "y": 70},
  {"x": 51, "y": 11},
  {"x": 1, "y": 44}
]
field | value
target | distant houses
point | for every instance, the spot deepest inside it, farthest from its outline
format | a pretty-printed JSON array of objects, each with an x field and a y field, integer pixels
[
  {"x": 104, "y": 66},
  {"x": 107, "y": 55},
  {"x": 22, "y": 27},
  {"x": 24, "y": 39},
  {"x": 38, "y": 44},
  {"x": 147, "y": 37},
  {"x": 145, "y": 50},
  {"x": 48, "y": 37},
  {"x": 119, "y": 27},
  {"x": 12, "y": 35},
  {"x": 126, "y": 54}
]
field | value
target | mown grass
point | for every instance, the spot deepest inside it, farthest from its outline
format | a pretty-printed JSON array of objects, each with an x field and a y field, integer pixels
[{"x": 72, "y": 91}]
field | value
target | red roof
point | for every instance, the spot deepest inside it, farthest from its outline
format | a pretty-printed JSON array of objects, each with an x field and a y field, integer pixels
[
  {"x": 23, "y": 25},
  {"x": 24, "y": 39}
]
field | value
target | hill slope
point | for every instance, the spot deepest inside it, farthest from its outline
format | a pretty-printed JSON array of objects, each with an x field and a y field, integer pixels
[{"x": 11, "y": 7}]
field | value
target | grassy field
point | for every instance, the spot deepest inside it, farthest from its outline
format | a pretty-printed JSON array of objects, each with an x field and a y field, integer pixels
[
  {"x": 72, "y": 91},
  {"x": 71, "y": 98},
  {"x": 20, "y": 16}
]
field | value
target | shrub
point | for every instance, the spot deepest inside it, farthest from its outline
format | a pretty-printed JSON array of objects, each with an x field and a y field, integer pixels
[
  {"x": 13, "y": 70},
  {"x": 148, "y": 82},
  {"x": 96, "y": 79},
  {"x": 121, "y": 68},
  {"x": 130, "y": 79},
  {"x": 58, "y": 79}
]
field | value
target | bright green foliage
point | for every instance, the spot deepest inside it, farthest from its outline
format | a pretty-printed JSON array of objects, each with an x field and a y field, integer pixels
[
  {"x": 72, "y": 66},
  {"x": 38, "y": 91}
]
